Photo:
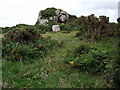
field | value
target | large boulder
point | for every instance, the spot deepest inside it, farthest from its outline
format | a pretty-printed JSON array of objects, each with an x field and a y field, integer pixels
[
  {"x": 62, "y": 16},
  {"x": 40, "y": 20},
  {"x": 57, "y": 12},
  {"x": 56, "y": 28}
]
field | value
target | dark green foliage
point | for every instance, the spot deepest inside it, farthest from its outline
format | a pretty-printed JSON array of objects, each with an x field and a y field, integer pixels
[
  {"x": 72, "y": 18},
  {"x": 48, "y": 12},
  {"x": 51, "y": 23},
  {"x": 1, "y": 30},
  {"x": 6, "y": 29},
  {"x": 26, "y": 44},
  {"x": 87, "y": 58},
  {"x": 96, "y": 28},
  {"x": 65, "y": 27},
  {"x": 83, "y": 48},
  {"x": 43, "y": 28},
  {"x": 116, "y": 71},
  {"x": 116, "y": 64},
  {"x": 39, "y": 28},
  {"x": 23, "y": 35},
  {"x": 74, "y": 26},
  {"x": 14, "y": 51}
]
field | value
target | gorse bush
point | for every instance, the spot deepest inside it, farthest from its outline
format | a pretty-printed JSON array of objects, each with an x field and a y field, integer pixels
[
  {"x": 6, "y": 29},
  {"x": 14, "y": 51},
  {"x": 83, "y": 48},
  {"x": 42, "y": 28},
  {"x": 26, "y": 44},
  {"x": 116, "y": 64},
  {"x": 72, "y": 18},
  {"x": 23, "y": 35},
  {"x": 88, "y": 58},
  {"x": 65, "y": 27},
  {"x": 95, "y": 28}
]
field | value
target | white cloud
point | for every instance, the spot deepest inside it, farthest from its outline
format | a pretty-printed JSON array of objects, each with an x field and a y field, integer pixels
[{"x": 13, "y": 12}]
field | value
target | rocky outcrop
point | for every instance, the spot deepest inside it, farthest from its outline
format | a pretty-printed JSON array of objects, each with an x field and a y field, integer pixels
[
  {"x": 41, "y": 21},
  {"x": 62, "y": 16},
  {"x": 50, "y": 14},
  {"x": 56, "y": 28}
]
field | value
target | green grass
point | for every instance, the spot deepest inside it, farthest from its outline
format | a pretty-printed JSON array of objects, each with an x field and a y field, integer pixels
[{"x": 51, "y": 71}]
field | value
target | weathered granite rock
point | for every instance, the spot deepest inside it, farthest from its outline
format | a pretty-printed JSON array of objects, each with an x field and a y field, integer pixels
[
  {"x": 41, "y": 21},
  {"x": 57, "y": 12},
  {"x": 51, "y": 18},
  {"x": 56, "y": 28},
  {"x": 62, "y": 15},
  {"x": 62, "y": 18}
]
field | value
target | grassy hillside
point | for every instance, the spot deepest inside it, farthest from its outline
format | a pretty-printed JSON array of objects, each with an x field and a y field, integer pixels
[{"x": 51, "y": 71}]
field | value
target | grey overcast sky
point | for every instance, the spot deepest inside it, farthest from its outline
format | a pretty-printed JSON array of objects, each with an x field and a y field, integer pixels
[{"x": 14, "y": 12}]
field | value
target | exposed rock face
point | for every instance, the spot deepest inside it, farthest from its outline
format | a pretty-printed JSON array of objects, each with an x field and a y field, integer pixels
[
  {"x": 51, "y": 18},
  {"x": 56, "y": 28},
  {"x": 62, "y": 18},
  {"x": 52, "y": 14},
  {"x": 62, "y": 15},
  {"x": 57, "y": 12},
  {"x": 41, "y": 21}
]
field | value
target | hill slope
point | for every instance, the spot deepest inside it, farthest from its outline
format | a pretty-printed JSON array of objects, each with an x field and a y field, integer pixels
[{"x": 51, "y": 71}]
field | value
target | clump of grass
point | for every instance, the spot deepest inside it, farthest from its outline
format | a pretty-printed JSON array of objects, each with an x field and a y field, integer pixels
[{"x": 83, "y": 48}]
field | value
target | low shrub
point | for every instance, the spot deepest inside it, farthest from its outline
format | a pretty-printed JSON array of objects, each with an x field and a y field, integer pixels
[
  {"x": 18, "y": 26},
  {"x": 42, "y": 28},
  {"x": 72, "y": 18},
  {"x": 83, "y": 48},
  {"x": 95, "y": 28},
  {"x": 65, "y": 27},
  {"x": 116, "y": 63},
  {"x": 14, "y": 51},
  {"x": 23, "y": 35},
  {"x": 26, "y": 44},
  {"x": 87, "y": 58}
]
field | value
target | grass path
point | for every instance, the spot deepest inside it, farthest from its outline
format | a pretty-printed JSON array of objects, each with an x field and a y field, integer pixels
[{"x": 50, "y": 72}]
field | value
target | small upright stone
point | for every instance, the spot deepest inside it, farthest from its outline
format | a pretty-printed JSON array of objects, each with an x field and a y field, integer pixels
[{"x": 56, "y": 28}]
